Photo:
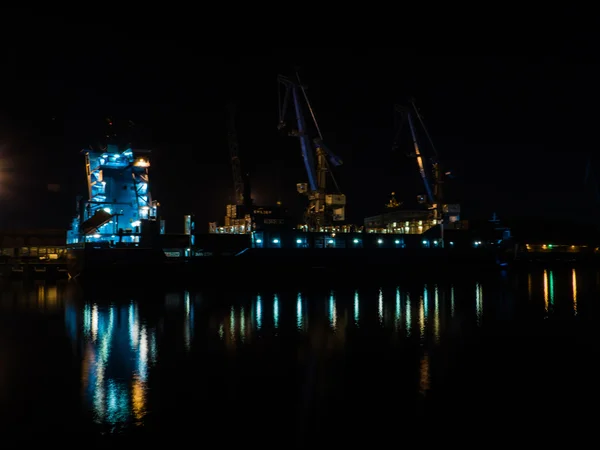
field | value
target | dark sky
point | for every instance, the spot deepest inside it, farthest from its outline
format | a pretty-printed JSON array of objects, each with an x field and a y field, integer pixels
[{"x": 516, "y": 130}]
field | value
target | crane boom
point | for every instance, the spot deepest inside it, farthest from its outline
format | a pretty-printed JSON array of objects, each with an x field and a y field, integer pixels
[
  {"x": 433, "y": 187},
  {"x": 307, "y": 154},
  {"x": 420, "y": 159},
  {"x": 236, "y": 166}
]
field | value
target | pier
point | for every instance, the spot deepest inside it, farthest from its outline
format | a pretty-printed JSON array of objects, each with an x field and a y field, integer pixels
[{"x": 33, "y": 254}]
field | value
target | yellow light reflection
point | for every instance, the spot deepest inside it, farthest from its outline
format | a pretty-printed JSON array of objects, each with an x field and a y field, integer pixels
[
  {"x": 52, "y": 295},
  {"x": 138, "y": 399},
  {"x": 424, "y": 374},
  {"x": 574, "y": 283},
  {"x": 529, "y": 286},
  {"x": 41, "y": 295},
  {"x": 546, "y": 291}
]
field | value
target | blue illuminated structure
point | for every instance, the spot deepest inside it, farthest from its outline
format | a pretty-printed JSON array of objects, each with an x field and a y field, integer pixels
[{"x": 119, "y": 203}]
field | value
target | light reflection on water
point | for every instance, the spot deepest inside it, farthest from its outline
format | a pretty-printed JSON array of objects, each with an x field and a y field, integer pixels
[
  {"x": 119, "y": 350},
  {"x": 120, "y": 344}
]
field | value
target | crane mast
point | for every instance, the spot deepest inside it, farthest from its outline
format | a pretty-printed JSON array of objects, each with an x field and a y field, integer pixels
[
  {"x": 236, "y": 166},
  {"x": 430, "y": 169},
  {"x": 324, "y": 208}
]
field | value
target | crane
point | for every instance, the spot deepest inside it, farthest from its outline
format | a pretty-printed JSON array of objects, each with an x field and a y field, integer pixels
[
  {"x": 241, "y": 181},
  {"x": 324, "y": 207},
  {"x": 430, "y": 168}
]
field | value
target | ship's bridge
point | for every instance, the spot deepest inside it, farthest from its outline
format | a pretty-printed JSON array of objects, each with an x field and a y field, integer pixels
[{"x": 119, "y": 198}]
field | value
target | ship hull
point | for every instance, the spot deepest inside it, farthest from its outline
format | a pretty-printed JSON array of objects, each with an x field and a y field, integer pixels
[{"x": 277, "y": 265}]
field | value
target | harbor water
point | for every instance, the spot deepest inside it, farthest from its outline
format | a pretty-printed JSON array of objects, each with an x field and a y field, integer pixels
[{"x": 300, "y": 368}]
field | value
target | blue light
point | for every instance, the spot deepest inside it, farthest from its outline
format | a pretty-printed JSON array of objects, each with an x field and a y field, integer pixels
[
  {"x": 259, "y": 241},
  {"x": 330, "y": 241},
  {"x": 424, "y": 242},
  {"x": 298, "y": 241},
  {"x": 275, "y": 241},
  {"x": 396, "y": 241}
]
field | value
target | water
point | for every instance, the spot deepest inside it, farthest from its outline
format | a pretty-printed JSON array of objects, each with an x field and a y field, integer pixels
[{"x": 298, "y": 368}]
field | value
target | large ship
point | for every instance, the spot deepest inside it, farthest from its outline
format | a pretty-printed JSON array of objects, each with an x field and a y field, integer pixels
[{"x": 116, "y": 229}]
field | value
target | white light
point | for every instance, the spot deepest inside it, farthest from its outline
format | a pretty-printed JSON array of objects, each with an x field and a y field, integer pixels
[
  {"x": 107, "y": 210},
  {"x": 424, "y": 242},
  {"x": 396, "y": 241},
  {"x": 275, "y": 241},
  {"x": 380, "y": 241},
  {"x": 298, "y": 241},
  {"x": 259, "y": 241},
  {"x": 356, "y": 241},
  {"x": 330, "y": 241}
]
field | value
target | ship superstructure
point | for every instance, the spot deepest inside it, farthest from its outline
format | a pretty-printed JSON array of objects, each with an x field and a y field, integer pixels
[{"x": 119, "y": 207}]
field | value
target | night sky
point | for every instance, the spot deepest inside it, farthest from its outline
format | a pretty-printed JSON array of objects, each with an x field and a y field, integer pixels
[{"x": 516, "y": 131}]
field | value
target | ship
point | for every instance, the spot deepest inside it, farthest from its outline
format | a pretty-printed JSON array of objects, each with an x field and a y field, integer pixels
[{"x": 116, "y": 230}]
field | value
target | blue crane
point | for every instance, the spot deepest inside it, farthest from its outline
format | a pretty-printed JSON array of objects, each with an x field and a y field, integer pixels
[{"x": 324, "y": 208}]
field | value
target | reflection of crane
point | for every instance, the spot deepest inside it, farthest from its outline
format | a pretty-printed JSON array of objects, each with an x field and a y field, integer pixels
[
  {"x": 323, "y": 208},
  {"x": 429, "y": 168},
  {"x": 241, "y": 183}
]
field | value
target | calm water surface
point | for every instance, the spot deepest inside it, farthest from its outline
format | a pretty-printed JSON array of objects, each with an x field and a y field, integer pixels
[{"x": 298, "y": 368}]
